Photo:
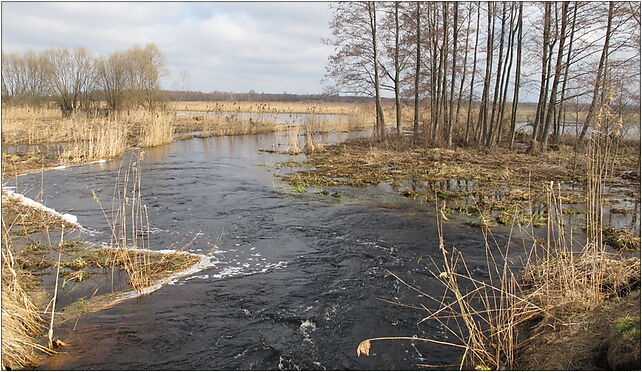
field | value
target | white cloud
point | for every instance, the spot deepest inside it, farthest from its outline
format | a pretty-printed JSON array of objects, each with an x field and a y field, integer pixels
[{"x": 224, "y": 46}]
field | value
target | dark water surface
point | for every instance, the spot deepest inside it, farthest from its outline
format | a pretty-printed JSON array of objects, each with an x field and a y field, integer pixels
[{"x": 297, "y": 279}]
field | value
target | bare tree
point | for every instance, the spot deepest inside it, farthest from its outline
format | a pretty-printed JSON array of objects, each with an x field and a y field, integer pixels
[
  {"x": 472, "y": 77},
  {"x": 517, "y": 75},
  {"x": 556, "y": 78},
  {"x": 354, "y": 66},
  {"x": 449, "y": 125},
  {"x": 72, "y": 76},
  {"x": 482, "y": 122}
]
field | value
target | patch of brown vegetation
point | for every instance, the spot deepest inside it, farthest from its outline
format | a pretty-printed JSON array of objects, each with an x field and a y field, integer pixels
[
  {"x": 586, "y": 340},
  {"x": 23, "y": 219},
  {"x": 497, "y": 179}
]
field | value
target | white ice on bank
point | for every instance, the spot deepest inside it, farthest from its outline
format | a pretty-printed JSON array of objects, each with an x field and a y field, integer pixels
[
  {"x": 70, "y": 218},
  {"x": 60, "y": 167}
]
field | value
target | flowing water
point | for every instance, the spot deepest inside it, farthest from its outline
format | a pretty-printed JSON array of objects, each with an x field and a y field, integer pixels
[{"x": 297, "y": 279}]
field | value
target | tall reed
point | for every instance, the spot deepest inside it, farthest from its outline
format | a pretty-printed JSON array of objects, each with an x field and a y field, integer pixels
[
  {"x": 158, "y": 129},
  {"x": 129, "y": 224},
  {"x": 557, "y": 278}
]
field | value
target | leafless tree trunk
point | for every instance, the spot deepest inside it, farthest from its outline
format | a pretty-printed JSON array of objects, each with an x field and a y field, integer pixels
[
  {"x": 372, "y": 13},
  {"x": 463, "y": 74},
  {"x": 556, "y": 78},
  {"x": 449, "y": 125},
  {"x": 508, "y": 65},
  {"x": 472, "y": 77},
  {"x": 517, "y": 75},
  {"x": 599, "y": 77},
  {"x": 482, "y": 123},
  {"x": 558, "y": 132},
  {"x": 415, "y": 127},
  {"x": 492, "y": 124},
  {"x": 541, "y": 102}
]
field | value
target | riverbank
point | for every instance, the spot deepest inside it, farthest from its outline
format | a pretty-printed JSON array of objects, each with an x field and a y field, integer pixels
[
  {"x": 37, "y": 138},
  {"x": 50, "y": 276},
  {"x": 495, "y": 186},
  {"x": 552, "y": 313}
]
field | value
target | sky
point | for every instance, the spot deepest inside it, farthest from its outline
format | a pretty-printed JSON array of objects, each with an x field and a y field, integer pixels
[{"x": 236, "y": 47}]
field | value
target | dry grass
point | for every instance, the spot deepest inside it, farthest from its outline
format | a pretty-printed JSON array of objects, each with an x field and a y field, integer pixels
[
  {"x": 21, "y": 322},
  {"x": 129, "y": 226},
  {"x": 269, "y": 107},
  {"x": 558, "y": 284},
  {"x": 24, "y": 219},
  {"x": 293, "y": 142},
  {"x": 78, "y": 138},
  {"x": 92, "y": 140},
  {"x": 158, "y": 131},
  {"x": 82, "y": 138},
  {"x": 312, "y": 126}
]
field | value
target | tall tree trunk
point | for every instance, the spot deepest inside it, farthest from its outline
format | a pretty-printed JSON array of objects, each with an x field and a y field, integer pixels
[
  {"x": 518, "y": 72},
  {"x": 436, "y": 72},
  {"x": 379, "y": 109},
  {"x": 489, "y": 135},
  {"x": 415, "y": 127},
  {"x": 598, "y": 79},
  {"x": 541, "y": 102},
  {"x": 443, "y": 63},
  {"x": 556, "y": 78},
  {"x": 508, "y": 66},
  {"x": 397, "y": 71},
  {"x": 567, "y": 64},
  {"x": 472, "y": 78},
  {"x": 482, "y": 124},
  {"x": 463, "y": 74},
  {"x": 449, "y": 125}
]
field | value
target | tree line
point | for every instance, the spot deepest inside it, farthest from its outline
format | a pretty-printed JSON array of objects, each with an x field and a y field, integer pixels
[
  {"x": 79, "y": 80},
  {"x": 465, "y": 66}
]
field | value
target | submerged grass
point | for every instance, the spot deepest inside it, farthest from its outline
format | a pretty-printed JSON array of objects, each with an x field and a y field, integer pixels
[
  {"x": 506, "y": 185},
  {"x": 556, "y": 309}
]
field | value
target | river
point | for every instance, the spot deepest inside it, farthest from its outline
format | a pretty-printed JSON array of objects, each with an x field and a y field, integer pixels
[{"x": 297, "y": 279}]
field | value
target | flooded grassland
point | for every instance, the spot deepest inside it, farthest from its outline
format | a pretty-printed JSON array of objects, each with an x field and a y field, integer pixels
[{"x": 285, "y": 249}]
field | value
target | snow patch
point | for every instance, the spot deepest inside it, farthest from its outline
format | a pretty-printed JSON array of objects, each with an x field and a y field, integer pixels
[{"x": 70, "y": 218}]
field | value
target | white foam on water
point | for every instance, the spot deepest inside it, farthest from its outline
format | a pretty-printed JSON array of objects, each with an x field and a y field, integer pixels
[{"x": 234, "y": 271}]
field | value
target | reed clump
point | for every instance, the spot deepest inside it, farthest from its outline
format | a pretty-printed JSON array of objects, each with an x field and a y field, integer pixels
[
  {"x": 294, "y": 147},
  {"x": 313, "y": 125},
  {"x": 21, "y": 321},
  {"x": 56, "y": 139},
  {"x": 159, "y": 129},
  {"x": 104, "y": 139},
  {"x": 129, "y": 226}
]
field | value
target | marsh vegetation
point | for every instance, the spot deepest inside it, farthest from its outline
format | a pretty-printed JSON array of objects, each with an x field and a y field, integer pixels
[{"x": 513, "y": 126}]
